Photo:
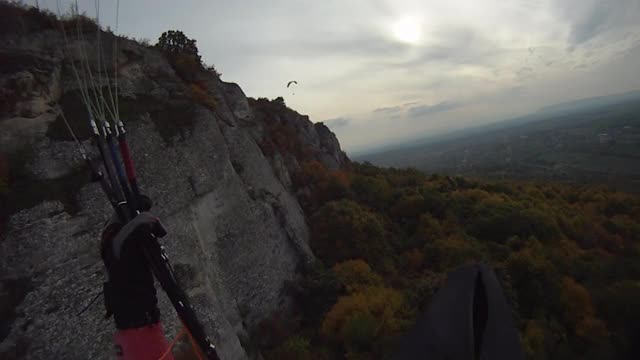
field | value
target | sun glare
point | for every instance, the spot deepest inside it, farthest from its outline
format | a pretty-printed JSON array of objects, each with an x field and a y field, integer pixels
[{"x": 407, "y": 30}]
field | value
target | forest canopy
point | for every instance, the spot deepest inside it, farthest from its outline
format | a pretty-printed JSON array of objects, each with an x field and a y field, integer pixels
[{"x": 568, "y": 259}]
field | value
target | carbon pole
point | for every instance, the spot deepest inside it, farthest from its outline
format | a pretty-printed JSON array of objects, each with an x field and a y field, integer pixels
[
  {"x": 160, "y": 265},
  {"x": 166, "y": 276},
  {"x": 126, "y": 158},
  {"x": 131, "y": 201},
  {"x": 96, "y": 174},
  {"x": 112, "y": 190},
  {"x": 159, "y": 261}
]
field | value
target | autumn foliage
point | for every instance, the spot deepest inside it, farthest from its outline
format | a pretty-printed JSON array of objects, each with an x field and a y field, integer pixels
[
  {"x": 360, "y": 317},
  {"x": 568, "y": 258},
  {"x": 356, "y": 275},
  {"x": 344, "y": 230},
  {"x": 579, "y": 312},
  {"x": 200, "y": 95}
]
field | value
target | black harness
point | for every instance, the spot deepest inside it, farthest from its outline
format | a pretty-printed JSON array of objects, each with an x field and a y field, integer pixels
[{"x": 129, "y": 294}]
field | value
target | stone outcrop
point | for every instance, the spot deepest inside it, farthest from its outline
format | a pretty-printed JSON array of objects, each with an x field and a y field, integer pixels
[{"x": 237, "y": 231}]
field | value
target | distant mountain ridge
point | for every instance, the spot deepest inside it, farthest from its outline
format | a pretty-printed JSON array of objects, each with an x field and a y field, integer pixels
[
  {"x": 544, "y": 113},
  {"x": 562, "y": 143},
  {"x": 589, "y": 103}
]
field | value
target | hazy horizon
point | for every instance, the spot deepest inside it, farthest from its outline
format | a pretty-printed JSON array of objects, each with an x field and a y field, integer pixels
[
  {"x": 541, "y": 113},
  {"x": 382, "y": 72}
]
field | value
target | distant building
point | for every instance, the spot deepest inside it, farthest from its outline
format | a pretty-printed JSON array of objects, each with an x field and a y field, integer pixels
[{"x": 605, "y": 138}]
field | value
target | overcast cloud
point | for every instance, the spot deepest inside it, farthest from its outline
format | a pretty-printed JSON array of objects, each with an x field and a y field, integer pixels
[{"x": 381, "y": 71}]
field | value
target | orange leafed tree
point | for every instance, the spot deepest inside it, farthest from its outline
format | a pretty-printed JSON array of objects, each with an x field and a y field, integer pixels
[
  {"x": 579, "y": 311},
  {"x": 359, "y": 318},
  {"x": 356, "y": 275}
]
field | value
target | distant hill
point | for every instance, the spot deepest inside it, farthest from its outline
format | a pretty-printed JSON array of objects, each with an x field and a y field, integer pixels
[
  {"x": 545, "y": 113},
  {"x": 594, "y": 140},
  {"x": 589, "y": 103}
]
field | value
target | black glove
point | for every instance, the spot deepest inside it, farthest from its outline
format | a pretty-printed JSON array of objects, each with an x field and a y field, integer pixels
[
  {"x": 141, "y": 227},
  {"x": 144, "y": 203}
]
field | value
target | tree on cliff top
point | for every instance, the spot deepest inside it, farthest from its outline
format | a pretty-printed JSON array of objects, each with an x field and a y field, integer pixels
[
  {"x": 175, "y": 42},
  {"x": 183, "y": 55}
]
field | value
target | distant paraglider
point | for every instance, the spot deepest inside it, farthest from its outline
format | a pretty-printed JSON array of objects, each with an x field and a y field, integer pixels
[{"x": 292, "y": 82}]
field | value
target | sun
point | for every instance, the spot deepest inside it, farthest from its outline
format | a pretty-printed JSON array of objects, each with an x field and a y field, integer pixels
[{"x": 407, "y": 30}]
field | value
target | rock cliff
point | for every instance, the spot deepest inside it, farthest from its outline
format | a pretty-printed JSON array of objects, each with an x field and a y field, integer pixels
[{"x": 217, "y": 165}]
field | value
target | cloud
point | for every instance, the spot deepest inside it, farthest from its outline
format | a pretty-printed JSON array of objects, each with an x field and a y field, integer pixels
[
  {"x": 424, "y": 110},
  {"x": 589, "y": 26},
  {"x": 494, "y": 58},
  {"x": 388, "y": 110},
  {"x": 524, "y": 73},
  {"x": 459, "y": 45},
  {"x": 337, "y": 123},
  {"x": 358, "y": 44},
  {"x": 591, "y": 18}
]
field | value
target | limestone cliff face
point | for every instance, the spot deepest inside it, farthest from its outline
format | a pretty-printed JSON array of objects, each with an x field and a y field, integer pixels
[{"x": 220, "y": 181}]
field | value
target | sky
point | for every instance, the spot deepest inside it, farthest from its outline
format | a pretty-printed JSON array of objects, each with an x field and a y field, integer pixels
[{"x": 379, "y": 72}]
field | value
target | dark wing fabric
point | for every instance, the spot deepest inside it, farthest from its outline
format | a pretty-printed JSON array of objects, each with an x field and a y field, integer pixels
[
  {"x": 468, "y": 318},
  {"x": 501, "y": 339}
]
